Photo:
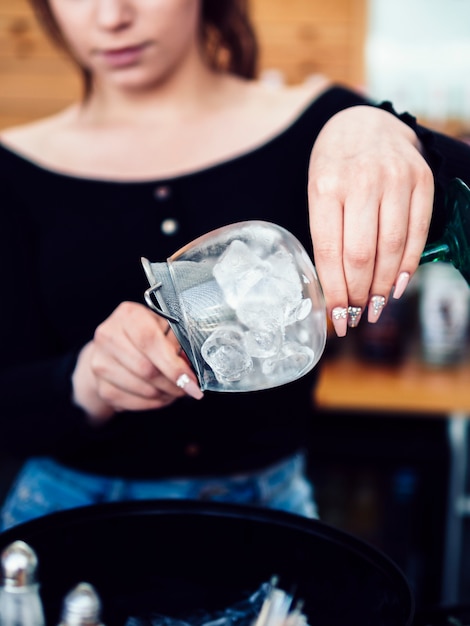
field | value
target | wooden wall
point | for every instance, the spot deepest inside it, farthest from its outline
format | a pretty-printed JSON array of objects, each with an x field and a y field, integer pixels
[
  {"x": 303, "y": 37},
  {"x": 298, "y": 37}
]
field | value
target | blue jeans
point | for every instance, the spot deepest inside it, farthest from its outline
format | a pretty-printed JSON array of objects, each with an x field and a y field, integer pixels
[{"x": 44, "y": 486}]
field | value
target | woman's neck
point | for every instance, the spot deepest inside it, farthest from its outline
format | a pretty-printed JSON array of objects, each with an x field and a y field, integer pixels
[{"x": 193, "y": 88}]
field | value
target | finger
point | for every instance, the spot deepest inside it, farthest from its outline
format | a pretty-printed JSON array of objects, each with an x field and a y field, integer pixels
[
  {"x": 359, "y": 247},
  {"x": 117, "y": 351},
  {"x": 123, "y": 401},
  {"x": 119, "y": 387},
  {"x": 177, "y": 370},
  {"x": 421, "y": 207},
  {"x": 360, "y": 243},
  {"x": 161, "y": 352},
  {"x": 401, "y": 243},
  {"x": 170, "y": 335},
  {"x": 326, "y": 226},
  {"x": 135, "y": 351},
  {"x": 391, "y": 239},
  {"x": 137, "y": 379}
]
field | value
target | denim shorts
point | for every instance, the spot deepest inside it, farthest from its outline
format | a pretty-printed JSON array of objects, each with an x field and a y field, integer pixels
[{"x": 44, "y": 486}]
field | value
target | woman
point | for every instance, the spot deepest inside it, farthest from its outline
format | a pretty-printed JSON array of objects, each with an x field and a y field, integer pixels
[{"x": 173, "y": 137}]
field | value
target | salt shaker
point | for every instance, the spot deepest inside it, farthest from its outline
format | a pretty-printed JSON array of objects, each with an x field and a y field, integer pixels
[
  {"x": 20, "y": 602},
  {"x": 81, "y": 607}
]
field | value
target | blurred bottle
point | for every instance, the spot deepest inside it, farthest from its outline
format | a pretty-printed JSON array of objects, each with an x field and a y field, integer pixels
[
  {"x": 20, "y": 603},
  {"x": 443, "y": 313},
  {"x": 81, "y": 607}
]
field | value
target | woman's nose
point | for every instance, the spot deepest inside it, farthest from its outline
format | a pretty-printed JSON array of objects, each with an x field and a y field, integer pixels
[{"x": 114, "y": 14}]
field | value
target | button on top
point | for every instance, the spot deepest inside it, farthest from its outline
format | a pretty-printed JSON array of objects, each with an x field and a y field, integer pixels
[
  {"x": 169, "y": 226},
  {"x": 162, "y": 192}
]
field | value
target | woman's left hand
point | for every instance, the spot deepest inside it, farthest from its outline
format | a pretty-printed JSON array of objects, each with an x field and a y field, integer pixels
[{"x": 370, "y": 204}]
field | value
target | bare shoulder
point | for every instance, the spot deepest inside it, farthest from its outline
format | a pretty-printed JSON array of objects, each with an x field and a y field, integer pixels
[
  {"x": 275, "y": 107},
  {"x": 32, "y": 139},
  {"x": 293, "y": 98}
]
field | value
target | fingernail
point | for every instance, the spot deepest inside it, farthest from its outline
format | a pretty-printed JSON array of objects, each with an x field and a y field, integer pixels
[
  {"x": 189, "y": 386},
  {"x": 339, "y": 317},
  {"x": 354, "y": 315},
  {"x": 376, "y": 304},
  {"x": 401, "y": 284}
]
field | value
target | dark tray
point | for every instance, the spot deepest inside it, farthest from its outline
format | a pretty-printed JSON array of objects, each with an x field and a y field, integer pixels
[{"x": 173, "y": 557}]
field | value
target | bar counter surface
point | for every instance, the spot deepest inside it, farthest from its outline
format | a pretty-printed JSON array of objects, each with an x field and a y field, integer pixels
[
  {"x": 347, "y": 382},
  {"x": 350, "y": 383}
]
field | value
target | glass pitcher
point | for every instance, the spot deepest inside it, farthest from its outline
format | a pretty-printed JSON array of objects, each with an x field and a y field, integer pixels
[{"x": 245, "y": 303}]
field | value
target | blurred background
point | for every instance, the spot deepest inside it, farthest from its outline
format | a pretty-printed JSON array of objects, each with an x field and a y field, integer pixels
[
  {"x": 413, "y": 52},
  {"x": 389, "y": 444}
]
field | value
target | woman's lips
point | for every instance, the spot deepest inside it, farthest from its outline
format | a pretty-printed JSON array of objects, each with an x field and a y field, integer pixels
[{"x": 122, "y": 57}]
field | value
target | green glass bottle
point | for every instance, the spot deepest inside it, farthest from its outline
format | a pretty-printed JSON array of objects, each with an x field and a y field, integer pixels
[{"x": 454, "y": 246}]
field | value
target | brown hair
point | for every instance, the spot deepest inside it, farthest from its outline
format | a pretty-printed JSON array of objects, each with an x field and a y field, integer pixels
[{"x": 228, "y": 36}]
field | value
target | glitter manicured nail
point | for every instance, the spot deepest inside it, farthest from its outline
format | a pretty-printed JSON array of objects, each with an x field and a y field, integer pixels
[
  {"x": 339, "y": 317},
  {"x": 354, "y": 315},
  {"x": 376, "y": 304}
]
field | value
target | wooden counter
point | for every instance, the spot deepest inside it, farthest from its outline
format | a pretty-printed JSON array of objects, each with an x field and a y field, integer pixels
[{"x": 347, "y": 382}]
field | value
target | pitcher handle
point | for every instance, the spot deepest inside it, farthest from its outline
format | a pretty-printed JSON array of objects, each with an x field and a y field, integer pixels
[{"x": 151, "y": 300}]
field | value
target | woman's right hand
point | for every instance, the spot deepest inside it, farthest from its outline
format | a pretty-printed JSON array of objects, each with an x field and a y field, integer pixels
[{"x": 133, "y": 363}]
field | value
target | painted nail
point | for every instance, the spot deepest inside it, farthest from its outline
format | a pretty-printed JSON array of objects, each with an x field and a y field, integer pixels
[
  {"x": 339, "y": 317},
  {"x": 354, "y": 315},
  {"x": 376, "y": 305},
  {"x": 189, "y": 386},
  {"x": 401, "y": 284}
]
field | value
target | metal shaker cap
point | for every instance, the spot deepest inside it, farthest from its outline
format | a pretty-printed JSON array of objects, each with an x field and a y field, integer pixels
[
  {"x": 19, "y": 564},
  {"x": 81, "y": 606}
]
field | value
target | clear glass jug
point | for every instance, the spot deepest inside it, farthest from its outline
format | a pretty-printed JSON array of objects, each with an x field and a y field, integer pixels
[{"x": 245, "y": 303}]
